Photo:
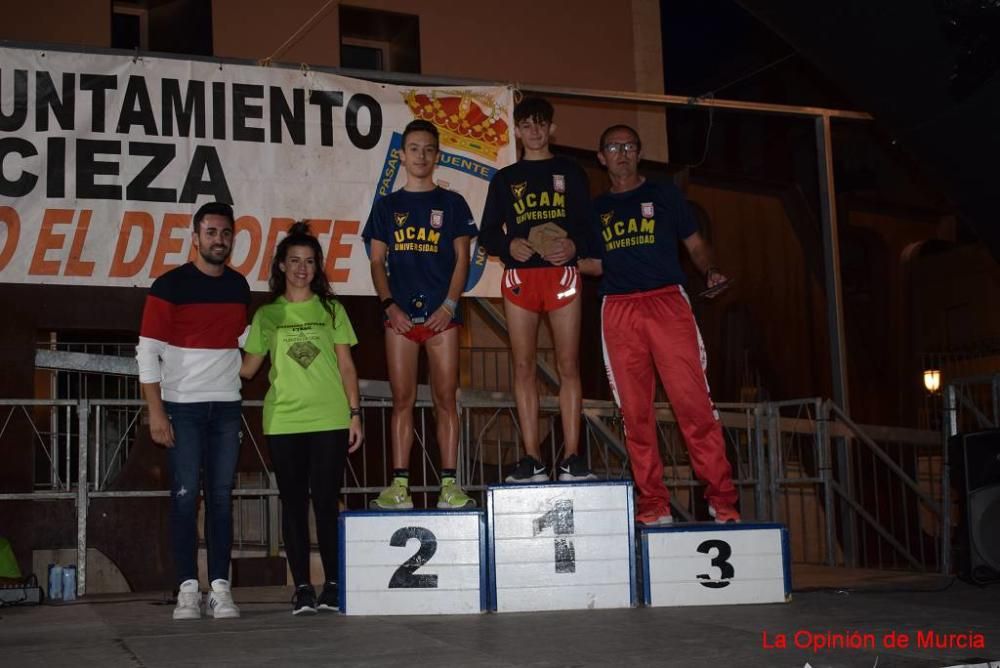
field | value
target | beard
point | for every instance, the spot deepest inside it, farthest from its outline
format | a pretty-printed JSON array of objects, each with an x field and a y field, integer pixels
[{"x": 209, "y": 255}]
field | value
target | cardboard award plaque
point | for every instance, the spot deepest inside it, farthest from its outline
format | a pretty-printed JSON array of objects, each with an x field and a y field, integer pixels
[{"x": 540, "y": 237}]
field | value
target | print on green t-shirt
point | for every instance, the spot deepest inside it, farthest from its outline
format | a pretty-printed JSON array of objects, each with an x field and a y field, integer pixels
[
  {"x": 307, "y": 391},
  {"x": 303, "y": 352}
]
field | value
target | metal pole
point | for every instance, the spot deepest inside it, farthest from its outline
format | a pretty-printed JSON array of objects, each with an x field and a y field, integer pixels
[
  {"x": 764, "y": 511},
  {"x": 53, "y": 422},
  {"x": 950, "y": 425},
  {"x": 845, "y": 467},
  {"x": 826, "y": 474},
  {"x": 774, "y": 480},
  {"x": 98, "y": 451},
  {"x": 68, "y": 444},
  {"x": 995, "y": 395},
  {"x": 272, "y": 517},
  {"x": 831, "y": 263},
  {"x": 82, "y": 499},
  {"x": 835, "y": 316}
]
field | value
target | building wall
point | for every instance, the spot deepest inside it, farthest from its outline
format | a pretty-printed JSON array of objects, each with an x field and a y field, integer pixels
[
  {"x": 585, "y": 44},
  {"x": 71, "y": 22},
  {"x": 769, "y": 329}
]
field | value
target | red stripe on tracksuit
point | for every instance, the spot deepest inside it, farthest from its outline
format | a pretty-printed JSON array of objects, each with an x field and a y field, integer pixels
[{"x": 655, "y": 330}]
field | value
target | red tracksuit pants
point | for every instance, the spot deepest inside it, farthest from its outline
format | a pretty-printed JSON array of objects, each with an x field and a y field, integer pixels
[{"x": 656, "y": 329}]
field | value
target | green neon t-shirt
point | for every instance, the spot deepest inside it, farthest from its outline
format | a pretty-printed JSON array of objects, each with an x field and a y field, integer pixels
[{"x": 307, "y": 392}]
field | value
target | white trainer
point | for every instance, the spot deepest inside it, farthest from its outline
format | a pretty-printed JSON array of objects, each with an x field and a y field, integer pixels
[
  {"x": 188, "y": 601},
  {"x": 220, "y": 601}
]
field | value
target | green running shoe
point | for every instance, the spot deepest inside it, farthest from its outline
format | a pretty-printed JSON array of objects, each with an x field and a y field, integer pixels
[
  {"x": 453, "y": 497},
  {"x": 394, "y": 497}
]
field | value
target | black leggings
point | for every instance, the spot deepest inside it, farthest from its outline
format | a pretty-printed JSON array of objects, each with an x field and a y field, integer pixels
[{"x": 302, "y": 463}]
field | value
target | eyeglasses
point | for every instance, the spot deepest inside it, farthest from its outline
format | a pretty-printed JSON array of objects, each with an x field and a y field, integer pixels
[{"x": 630, "y": 147}]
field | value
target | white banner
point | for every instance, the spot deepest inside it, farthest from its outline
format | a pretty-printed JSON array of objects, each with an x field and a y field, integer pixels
[{"x": 104, "y": 159}]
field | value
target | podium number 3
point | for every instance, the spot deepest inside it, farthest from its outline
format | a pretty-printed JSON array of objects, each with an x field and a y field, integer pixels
[
  {"x": 405, "y": 576},
  {"x": 720, "y": 561},
  {"x": 560, "y": 520}
]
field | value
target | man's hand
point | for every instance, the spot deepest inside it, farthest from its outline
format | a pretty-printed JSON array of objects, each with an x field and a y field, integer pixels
[
  {"x": 521, "y": 250},
  {"x": 715, "y": 284},
  {"x": 714, "y": 277},
  {"x": 160, "y": 428},
  {"x": 399, "y": 322},
  {"x": 439, "y": 320},
  {"x": 560, "y": 251}
]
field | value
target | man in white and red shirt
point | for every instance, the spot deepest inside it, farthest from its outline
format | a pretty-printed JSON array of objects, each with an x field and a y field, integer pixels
[{"x": 189, "y": 363}]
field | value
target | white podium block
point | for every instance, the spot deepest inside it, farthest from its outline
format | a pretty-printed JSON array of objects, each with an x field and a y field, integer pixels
[
  {"x": 715, "y": 564},
  {"x": 561, "y": 546},
  {"x": 412, "y": 562}
]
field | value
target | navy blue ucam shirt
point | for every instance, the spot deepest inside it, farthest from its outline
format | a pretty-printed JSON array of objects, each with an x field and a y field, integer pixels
[
  {"x": 531, "y": 193},
  {"x": 419, "y": 229},
  {"x": 637, "y": 237}
]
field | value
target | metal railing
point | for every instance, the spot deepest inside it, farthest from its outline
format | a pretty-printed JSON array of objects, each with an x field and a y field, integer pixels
[
  {"x": 857, "y": 496},
  {"x": 971, "y": 404},
  {"x": 850, "y": 494}
]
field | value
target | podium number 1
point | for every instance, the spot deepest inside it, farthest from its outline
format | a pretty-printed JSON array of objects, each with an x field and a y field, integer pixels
[
  {"x": 405, "y": 576},
  {"x": 560, "y": 520}
]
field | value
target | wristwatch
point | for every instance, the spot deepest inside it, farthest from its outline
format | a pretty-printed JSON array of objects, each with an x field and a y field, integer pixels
[
  {"x": 356, "y": 412},
  {"x": 387, "y": 302}
]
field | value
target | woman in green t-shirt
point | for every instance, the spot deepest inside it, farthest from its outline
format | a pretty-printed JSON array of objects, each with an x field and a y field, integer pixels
[{"x": 312, "y": 411}]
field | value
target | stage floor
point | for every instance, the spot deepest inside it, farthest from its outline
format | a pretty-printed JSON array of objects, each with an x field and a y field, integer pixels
[{"x": 829, "y": 605}]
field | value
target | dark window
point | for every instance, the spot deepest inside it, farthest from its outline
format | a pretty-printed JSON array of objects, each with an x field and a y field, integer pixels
[
  {"x": 129, "y": 26},
  {"x": 359, "y": 57},
  {"x": 167, "y": 26},
  {"x": 376, "y": 40}
]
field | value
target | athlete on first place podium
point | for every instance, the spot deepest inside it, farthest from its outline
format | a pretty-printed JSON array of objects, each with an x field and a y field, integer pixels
[{"x": 541, "y": 190}]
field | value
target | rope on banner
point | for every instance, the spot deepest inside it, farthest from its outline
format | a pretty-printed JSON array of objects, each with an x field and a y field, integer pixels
[{"x": 303, "y": 29}]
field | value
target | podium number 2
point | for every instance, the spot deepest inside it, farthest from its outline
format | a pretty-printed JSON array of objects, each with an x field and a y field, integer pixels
[
  {"x": 560, "y": 520},
  {"x": 405, "y": 576},
  {"x": 720, "y": 561}
]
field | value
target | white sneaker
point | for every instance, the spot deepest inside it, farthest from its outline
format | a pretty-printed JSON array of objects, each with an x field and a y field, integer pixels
[
  {"x": 188, "y": 601},
  {"x": 220, "y": 601}
]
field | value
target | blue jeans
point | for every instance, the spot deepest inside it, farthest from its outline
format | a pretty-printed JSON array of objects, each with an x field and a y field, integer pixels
[{"x": 206, "y": 437}]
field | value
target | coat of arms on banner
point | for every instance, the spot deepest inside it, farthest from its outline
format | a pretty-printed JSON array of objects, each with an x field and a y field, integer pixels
[
  {"x": 559, "y": 183},
  {"x": 401, "y": 218},
  {"x": 647, "y": 210},
  {"x": 437, "y": 218},
  {"x": 466, "y": 120}
]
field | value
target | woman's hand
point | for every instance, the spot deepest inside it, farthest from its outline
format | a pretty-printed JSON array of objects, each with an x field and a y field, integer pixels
[{"x": 356, "y": 434}]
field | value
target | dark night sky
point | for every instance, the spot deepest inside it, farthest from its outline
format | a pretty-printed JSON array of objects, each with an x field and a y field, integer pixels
[
  {"x": 711, "y": 43},
  {"x": 717, "y": 45}
]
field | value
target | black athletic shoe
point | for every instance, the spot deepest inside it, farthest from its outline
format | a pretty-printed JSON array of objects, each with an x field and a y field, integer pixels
[
  {"x": 574, "y": 468},
  {"x": 304, "y": 600},
  {"x": 329, "y": 599},
  {"x": 529, "y": 469}
]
